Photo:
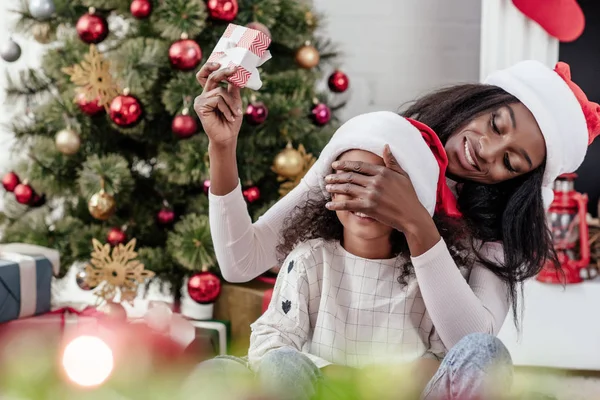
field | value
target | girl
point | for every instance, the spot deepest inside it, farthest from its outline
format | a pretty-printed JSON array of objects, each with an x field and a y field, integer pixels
[
  {"x": 343, "y": 296},
  {"x": 506, "y": 140}
]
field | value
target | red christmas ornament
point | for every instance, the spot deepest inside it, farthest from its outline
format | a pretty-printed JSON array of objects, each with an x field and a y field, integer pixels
[
  {"x": 562, "y": 19},
  {"x": 321, "y": 114},
  {"x": 251, "y": 194},
  {"x": 88, "y": 107},
  {"x": 185, "y": 54},
  {"x": 23, "y": 193},
  {"x": 92, "y": 28},
  {"x": 222, "y": 10},
  {"x": 338, "y": 82},
  {"x": 206, "y": 186},
  {"x": 125, "y": 110},
  {"x": 116, "y": 236},
  {"x": 165, "y": 216},
  {"x": 10, "y": 181},
  {"x": 259, "y": 27},
  {"x": 184, "y": 126},
  {"x": 256, "y": 113},
  {"x": 140, "y": 9},
  {"x": 37, "y": 200},
  {"x": 204, "y": 287}
]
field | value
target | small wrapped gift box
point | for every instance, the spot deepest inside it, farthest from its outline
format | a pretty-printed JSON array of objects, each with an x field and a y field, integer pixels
[
  {"x": 25, "y": 280},
  {"x": 246, "y": 49}
]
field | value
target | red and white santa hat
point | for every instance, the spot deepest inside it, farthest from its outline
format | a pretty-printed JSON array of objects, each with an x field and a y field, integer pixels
[{"x": 567, "y": 119}]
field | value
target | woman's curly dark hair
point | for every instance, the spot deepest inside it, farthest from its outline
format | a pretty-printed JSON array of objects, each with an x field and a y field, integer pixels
[{"x": 312, "y": 220}]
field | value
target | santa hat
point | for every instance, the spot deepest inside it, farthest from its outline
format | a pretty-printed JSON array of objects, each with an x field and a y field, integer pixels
[
  {"x": 416, "y": 148},
  {"x": 567, "y": 119}
]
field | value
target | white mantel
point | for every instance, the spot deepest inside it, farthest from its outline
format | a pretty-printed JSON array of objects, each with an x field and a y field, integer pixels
[{"x": 507, "y": 37}]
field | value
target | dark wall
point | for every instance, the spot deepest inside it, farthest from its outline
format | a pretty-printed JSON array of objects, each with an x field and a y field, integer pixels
[{"x": 584, "y": 57}]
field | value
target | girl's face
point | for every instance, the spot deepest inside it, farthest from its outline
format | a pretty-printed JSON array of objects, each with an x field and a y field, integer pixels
[
  {"x": 496, "y": 146},
  {"x": 356, "y": 226}
]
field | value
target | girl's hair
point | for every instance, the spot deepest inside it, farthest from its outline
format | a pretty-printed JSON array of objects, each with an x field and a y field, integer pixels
[
  {"x": 312, "y": 220},
  {"x": 510, "y": 212}
]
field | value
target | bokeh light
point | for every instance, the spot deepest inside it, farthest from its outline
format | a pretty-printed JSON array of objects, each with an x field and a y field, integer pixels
[{"x": 88, "y": 361}]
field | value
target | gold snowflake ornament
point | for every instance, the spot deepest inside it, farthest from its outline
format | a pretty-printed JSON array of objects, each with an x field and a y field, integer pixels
[
  {"x": 288, "y": 185},
  {"x": 93, "y": 77},
  {"x": 116, "y": 271}
]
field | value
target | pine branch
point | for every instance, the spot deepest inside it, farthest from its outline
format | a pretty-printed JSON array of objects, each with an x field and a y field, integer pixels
[
  {"x": 174, "y": 17},
  {"x": 50, "y": 171},
  {"x": 263, "y": 11},
  {"x": 190, "y": 243},
  {"x": 182, "y": 87},
  {"x": 115, "y": 171},
  {"x": 28, "y": 87},
  {"x": 138, "y": 63},
  {"x": 186, "y": 164},
  {"x": 155, "y": 259}
]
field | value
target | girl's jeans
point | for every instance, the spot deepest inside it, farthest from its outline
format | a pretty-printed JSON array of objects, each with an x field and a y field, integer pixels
[{"x": 465, "y": 373}]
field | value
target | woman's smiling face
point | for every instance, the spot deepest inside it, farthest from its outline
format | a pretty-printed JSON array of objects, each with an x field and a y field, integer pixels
[{"x": 496, "y": 146}]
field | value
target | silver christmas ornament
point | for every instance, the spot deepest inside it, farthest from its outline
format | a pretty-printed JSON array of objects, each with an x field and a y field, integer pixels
[
  {"x": 81, "y": 278},
  {"x": 41, "y": 9},
  {"x": 10, "y": 51}
]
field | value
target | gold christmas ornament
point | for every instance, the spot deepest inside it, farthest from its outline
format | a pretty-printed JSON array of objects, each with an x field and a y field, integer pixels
[
  {"x": 288, "y": 184},
  {"x": 94, "y": 78},
  {"x": 289, "y": 163},
  {"x": 308, "y": 56},
  {"x": 102, "y": 205},
  {"x": 67, "y": 141},
  {"x": 42, "y": 33},
  {"x": 116, "y": 271}
]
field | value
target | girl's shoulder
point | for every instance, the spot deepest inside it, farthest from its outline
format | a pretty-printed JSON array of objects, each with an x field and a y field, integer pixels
[{"x": 312, "y": 251}]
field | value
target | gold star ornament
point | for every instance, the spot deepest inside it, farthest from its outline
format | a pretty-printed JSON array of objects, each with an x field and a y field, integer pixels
[
  {"x": 93, "y": 77},
  {"x": 116, "y": 271}
]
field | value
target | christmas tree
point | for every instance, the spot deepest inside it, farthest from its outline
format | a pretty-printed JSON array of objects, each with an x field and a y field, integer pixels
[{"x": 111, "y": 147}]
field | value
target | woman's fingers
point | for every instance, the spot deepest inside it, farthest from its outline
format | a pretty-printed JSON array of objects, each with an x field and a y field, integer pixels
[
  {"x": 205, "y": 71},
  {"x": 217, "y": 77},
  {"x": 234, "y": 103},
  {"x": 347, "y": 205},
  {"x": 348, "y": 177},
  {"x": 390, "y": 161},
  {"x": 207, "y": 105},
  {"x": 358, "y": 167},
  {"x": 348, "y": 189}
]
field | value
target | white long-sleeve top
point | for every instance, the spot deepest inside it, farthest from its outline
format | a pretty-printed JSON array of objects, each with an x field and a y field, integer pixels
[
  {"x": 456, "y": 306},
  {"x": 342, "y": 309}
]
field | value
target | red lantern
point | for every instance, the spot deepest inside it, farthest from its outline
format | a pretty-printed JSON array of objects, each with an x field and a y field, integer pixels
[
  {"x": 204, "y": 287},
  {"x": 568, "y": 224}
]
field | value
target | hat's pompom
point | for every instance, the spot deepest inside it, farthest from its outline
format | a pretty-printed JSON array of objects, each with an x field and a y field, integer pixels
[{"x": 591, "y": 110}]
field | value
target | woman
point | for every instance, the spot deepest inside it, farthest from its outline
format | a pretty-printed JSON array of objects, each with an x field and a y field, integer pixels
[{"x": 506, "y": 142}]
